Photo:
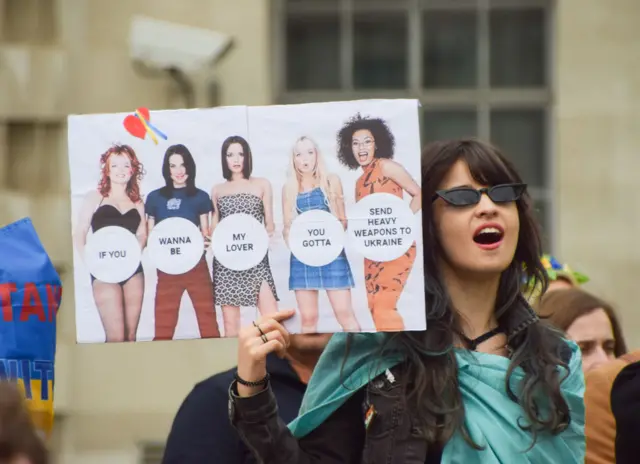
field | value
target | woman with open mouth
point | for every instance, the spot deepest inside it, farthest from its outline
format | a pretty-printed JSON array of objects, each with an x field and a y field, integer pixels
[
  {"x": 309, "y": 187},
  {"x": 368, "y": 143},
  {"x": 487, "y": 382}
]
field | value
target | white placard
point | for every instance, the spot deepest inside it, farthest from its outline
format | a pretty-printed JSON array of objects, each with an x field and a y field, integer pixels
[{"x": 179, "y": 216}]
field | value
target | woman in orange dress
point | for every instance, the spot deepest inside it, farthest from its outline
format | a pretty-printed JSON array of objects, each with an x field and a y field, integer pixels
[{"x": 368, "y": 143}]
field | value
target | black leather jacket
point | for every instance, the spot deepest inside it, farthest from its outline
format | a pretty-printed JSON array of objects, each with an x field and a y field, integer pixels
[{"x": 390, "y": 439}]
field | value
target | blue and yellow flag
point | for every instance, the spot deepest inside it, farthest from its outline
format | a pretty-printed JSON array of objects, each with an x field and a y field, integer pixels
[{"x": 30, "y": 293}]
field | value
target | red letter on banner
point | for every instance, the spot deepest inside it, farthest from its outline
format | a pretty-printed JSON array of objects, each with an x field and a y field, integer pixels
[
  {"x": 5, "y": 300},
  {"x": 32, "y": 304},
  {"x": 54, "y": 293}
]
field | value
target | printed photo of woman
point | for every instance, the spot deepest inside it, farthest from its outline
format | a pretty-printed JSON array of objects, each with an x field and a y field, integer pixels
[
  {"x": 116, "y": 202},
  {"x": 180, "y": 198},
  {"x": 368, "y": 143},
  {"x": 242, "y": 193},
  {"x": 310, "y": 187}
]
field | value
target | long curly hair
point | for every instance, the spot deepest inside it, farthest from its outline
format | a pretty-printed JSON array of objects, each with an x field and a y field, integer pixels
[
  {"x": 137, "y": 172},
  {"x": 384, "y": 139}
]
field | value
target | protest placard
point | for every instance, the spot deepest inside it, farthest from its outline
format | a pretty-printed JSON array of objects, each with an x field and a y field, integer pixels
[{"x": 190, "y": 223}]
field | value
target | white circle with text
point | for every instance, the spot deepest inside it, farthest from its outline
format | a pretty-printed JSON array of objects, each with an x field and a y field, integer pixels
[
  {"x": 112, "y": 254},
  {"x": 382, "y": 226},
  {"x": 175, "y": 245},
  {"x": 316, "y": 238},
  {"x": 240, "y": 242}
]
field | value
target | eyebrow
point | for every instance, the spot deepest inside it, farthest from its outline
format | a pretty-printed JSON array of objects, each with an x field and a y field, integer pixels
[
  {"x": 586, "y": 343},
  {"x": 594, "y": 341}
]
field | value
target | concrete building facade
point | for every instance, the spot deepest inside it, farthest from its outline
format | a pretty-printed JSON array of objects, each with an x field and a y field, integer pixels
[{"x": 555, "y": 83}]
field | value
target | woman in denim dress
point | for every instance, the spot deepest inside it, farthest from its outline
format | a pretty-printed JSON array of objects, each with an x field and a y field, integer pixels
[{"x": 308, "y": 188}]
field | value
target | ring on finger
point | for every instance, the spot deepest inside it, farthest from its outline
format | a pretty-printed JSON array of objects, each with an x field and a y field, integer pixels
[
  {"x": 264, "y": 338},
  {"x": 259, "y": 329}
]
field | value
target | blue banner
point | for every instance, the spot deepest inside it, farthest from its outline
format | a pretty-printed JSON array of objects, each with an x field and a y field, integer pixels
[{"x": 30, "y": 294}]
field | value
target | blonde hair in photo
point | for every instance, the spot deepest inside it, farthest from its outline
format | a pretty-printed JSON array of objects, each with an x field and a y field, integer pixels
[{"x": 320, "y": 177}]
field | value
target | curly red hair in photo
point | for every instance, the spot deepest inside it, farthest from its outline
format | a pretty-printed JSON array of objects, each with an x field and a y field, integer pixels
[
  {"x": 137, "y": 171},
  {"x": 19, "y": 440}
]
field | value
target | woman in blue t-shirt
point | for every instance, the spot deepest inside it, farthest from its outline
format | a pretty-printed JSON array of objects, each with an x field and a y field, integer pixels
[{"x": 180, "y": 198}]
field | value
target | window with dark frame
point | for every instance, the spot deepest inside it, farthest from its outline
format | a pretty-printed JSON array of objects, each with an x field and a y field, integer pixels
[
  {"x": 479, "y": 68},
  {"x": 30, "y": 22},
  {"x": 24, "y": 142}
]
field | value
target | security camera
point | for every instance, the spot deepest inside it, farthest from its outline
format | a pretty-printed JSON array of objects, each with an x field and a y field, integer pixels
[
  {"x": 165, "y": 45},
  {"x": 165, "y": 48}
]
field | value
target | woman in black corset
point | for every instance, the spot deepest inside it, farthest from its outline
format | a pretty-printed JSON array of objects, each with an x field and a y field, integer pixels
[{"x": 116, "y": 202}]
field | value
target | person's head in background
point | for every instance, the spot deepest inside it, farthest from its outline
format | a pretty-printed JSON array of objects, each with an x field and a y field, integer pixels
[
  {"x": 19, "y": 440},
  {"x": 560, "y": 283},
  {"x": 589, "y": 321},
  {"x": 561, "y": 276}
]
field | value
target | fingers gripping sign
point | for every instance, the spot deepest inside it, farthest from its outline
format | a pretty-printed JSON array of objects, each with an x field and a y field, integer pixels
[
  {"x": 266, "y": 335},
  {"x": 274, "y": 339}
]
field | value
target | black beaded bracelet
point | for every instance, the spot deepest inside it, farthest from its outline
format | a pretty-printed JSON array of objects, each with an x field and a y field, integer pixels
[{"x": 258, "y": 383}]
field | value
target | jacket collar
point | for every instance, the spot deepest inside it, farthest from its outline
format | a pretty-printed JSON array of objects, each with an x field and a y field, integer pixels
[
  {"x": 514, "y": 321},
  {"x": 518, "y": 318}
]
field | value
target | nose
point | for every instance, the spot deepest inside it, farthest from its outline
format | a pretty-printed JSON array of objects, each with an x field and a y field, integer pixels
[{"x": 486, "y": 207}]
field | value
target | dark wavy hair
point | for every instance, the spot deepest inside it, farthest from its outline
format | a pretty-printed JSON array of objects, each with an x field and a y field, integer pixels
[
  {"x": 247, "y": 165},
  {"x": 384, "y": 139},
  {"x": 137, "y": 172},
  {"x": 189, "y": 165},
  {"x": 431, "y": 363}
]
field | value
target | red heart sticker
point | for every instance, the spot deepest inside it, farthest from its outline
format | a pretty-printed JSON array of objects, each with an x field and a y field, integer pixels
[
  {"x": 144, "y": 112},
  {"x": 134, "y": 126}
]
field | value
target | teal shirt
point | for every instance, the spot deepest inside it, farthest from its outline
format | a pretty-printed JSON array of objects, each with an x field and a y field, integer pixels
[{"x": 490, "y": 416}]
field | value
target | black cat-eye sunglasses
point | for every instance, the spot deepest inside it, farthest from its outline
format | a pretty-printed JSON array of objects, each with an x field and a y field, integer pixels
[{"x": 467, "y": 196}]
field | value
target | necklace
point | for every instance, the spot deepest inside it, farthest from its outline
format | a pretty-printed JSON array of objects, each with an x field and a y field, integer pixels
[{"x": 473, "y": 344}]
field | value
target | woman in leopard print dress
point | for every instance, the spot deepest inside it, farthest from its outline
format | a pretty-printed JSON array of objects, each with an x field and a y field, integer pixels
[{"x": 242, "y": 193}]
